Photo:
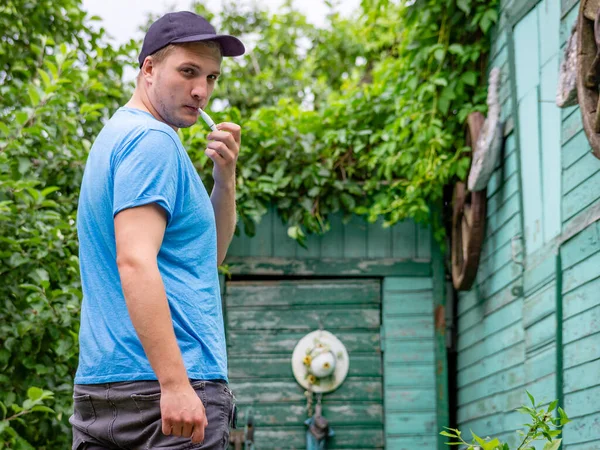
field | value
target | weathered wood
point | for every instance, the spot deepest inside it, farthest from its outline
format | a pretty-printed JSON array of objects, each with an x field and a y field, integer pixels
[
  {"x": 583, "y": 429},
  {"x": 575, "y": 149},
  {"x": 303, "y": 319},
  {"x": 405, "y": 284},
  {"x": 502, "y": 381},
  {"x": 288, "y": 391},
  {"x": 421, "y": 351},
  {"x": 582, "y": 351},
  {"x": 410, "y": 442},
  {"x": 280, "y": 367},
  {"x": 581, "y": 273},
  {"x": 338, "y": 414},
  {"x": 581, "y": 298},
  {"x": 402, "y": 327},
  {"x": 582, "y": 325},
  {"x": 408, "y": 376},
  {"x": 491, "y": 345},
  {"x": 299, "y": 292},
  {"x": 262, "y": 342},
  {"x": 583, "y": 245},
  {"x": 579, "y": 172},
  {"x": 583, "y": 402},
  {"x": 509, "y": 357},
  {"x": 349, "y": 437},
  {"x": 403, "y": 399},
  {"x": 327, "y": 267},
  {"x": 412, "y": 423},
  {"x": 419, "y": 303}
]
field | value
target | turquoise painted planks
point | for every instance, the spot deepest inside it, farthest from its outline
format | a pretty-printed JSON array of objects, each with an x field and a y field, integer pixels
[
  {"x": 582, "y": 351},
  {"x": 583, "y": 402},
  {"x": 583, "y": 272},
  {"x": 407, "y": 284},
  {"x": 410, "y": 442},
  {"x": 548, "y": 22},
  {"x": 582, "y": 325},
  {"x": 581, "y": 197},
  {"x": 583, "y": 429},
  {"x": 490, "y": 345},
  {"x": 582, "y": 170},
  {"x": 414, "y": 399},
  {"x": 355, "y": 238},
  {"x": 531, "y": 178},
  {"x": 409, "y": 303},
  {"x": 536, "y": 277},
  {"x": 540, "y": 364},
  {"x": 332, "y": 244},
  {"x": 527, "y": 56},
  {"x": 508, "y": 357},
  {"x": 540, "y": 305},
  {"x": 581, "y": 377},
  {"x": 502, "y": 381},
  {"x": 417, "y": 375},
  {"x": 414, "y": 422},
  {"x": 379, "y": 241},
  {"x": 421, "y": 351},
  {"x": 550, "y": 127},
  {"x": 541, "y": 334},
  {"x": 575, "y": 149},
  {"x": 571, "y": 126},
  {"x": 584, "y": 297}
]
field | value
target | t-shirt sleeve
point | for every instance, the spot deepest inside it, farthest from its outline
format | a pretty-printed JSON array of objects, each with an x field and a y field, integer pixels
[{"x": 146, "y": 171}]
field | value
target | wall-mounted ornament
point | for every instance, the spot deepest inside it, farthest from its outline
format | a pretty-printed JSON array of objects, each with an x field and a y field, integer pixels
[
  {"x": 588, "y": 70},
  {"x": 566, "y": 89},
  {"x": 320, "y": 362},
  {"x": 489, "y": 141},
  {"x": 468, "y": 220}
]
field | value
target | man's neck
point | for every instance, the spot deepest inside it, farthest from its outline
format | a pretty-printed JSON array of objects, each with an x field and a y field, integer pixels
[{"x": 139, "y": 100}]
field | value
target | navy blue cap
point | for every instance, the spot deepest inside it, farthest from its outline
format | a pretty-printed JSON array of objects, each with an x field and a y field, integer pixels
[{"x": 186, "y": 26}]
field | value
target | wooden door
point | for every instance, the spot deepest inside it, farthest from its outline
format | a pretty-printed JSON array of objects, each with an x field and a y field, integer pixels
[{"x": 265, "y": 320}]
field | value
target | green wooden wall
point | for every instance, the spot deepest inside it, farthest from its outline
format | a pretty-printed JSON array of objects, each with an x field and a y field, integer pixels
[
  {"x": 532, "y": 320},
  {"x": 378, "y": 290}
]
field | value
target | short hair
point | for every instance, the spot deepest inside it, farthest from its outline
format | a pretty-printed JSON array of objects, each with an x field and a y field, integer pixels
[{"x": 160, "y": 55}]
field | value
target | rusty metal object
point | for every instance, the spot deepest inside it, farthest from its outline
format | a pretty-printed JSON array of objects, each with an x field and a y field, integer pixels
[
  {"x": 588, "y": 70},
  {"x": 468, "y": 221}
]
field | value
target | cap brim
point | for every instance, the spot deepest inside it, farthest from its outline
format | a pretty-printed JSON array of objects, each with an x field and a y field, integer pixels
[{"x": 230, "y": 46}]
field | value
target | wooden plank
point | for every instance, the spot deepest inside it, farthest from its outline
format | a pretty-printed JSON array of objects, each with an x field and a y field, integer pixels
[
  {"x": 549, "y": 23},
  {"x": 498, "y": 281},
  {"x": 582, "y": 377},
  {"x": 379, "y": 241},
  {"x": 422, "y": 351},
  {"x": 540, "y": 364},
  {"x": 410, "y": 423},
  {"x": 423, "y": 243},
  {"x": 277, "y": 342},
  {"x": 583, "y": 429},
  {"x": 585, "y": 271},
  {"x": 507, "y": 168},
  {"x": 582, "y": 325},
  {"x": 498, "y": 403},
  {"x": 303, "y": 319},
  {"x": 509, "y": 189},
  {"x": 582, "y": 298},
  {"x": 509, "y": 209},
  {"x": 492, "y": 261},
  {"x": 529, "y": 141},
  {"x": 403, "y": 399},
  {"x": 312, "y": 249},
  {"x": 416, "y": 302},
  {"x": 579, "y": 172},
  {"x": 289, "y": 391},
  {"x": 327, "y": 267},
  {"x": 338, "y": 414},
  {"x": 406, "y": 284},
  {"x": 284, "y": 246},
  {"x": 582, "y": 351},
  {"x": 303, "y": 292},
  {"x": 539, "y": 275},
  {"x": 355, "y": 238},
  {"x": 582, "y": 403},
  {"x": 582, "y": 196},
  {"x": 416, "y": 375},
  {"x": 414, "y": 327},
  {"x": 575, "y": 149},
  {"x": 539, "y": 305},
  {"x": 261, "y": 244},
  {"x": 550, "y": 125},
  {"x": 504, "y": 235},
  {"x": 571, "y": 126},
  {"x": 410, "y": 442},
  {"x": 491, "y": 345},
  {"x": 527, "y": 57},
  {"x": 404, "y": 238},
  {"x": 280, "y": 367},
  {"x": 505, "y": 380},
  {"x": 332, "y": 244},
  {"x": 581, "y": 246},
  {"x": 349, "y": 437},
  {"x": 508, "y": 357},
  {"x": 540, "y": 334}
]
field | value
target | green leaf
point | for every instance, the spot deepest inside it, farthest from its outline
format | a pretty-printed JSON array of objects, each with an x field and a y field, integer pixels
[
  {"x": 552, "y": 406},
  {"x": 34, "y": 393},
  {"x": 42, "y": 408},
  {"x": 464, "y": 5},
  {"x": 554, "y": 445},
  {"x": 531, "y": 398},
  {"x": 34, "y": 96}
]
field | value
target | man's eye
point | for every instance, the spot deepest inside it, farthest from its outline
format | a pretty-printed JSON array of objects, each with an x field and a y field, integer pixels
[
  {"x": 212, "y": 77},
  {"x": 188, "y": 71}
]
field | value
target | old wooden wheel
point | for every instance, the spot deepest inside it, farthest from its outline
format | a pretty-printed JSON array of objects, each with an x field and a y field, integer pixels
[
  {"x": 588, "y": 70},
  {"x": 468, "y": 221}
]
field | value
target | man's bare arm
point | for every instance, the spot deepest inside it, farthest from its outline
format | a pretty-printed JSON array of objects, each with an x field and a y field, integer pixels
[{"x": 139, "y": 233}]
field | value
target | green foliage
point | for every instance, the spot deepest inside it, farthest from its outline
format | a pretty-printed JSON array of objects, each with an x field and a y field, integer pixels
[
  {"x": 9, "y": 438},
  {"x": 543, "y": 426},
  {"x": 58, "y": 81},
  {"x": 369, "y": 120}
]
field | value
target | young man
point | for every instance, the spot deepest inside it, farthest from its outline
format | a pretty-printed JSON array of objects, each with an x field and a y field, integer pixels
[{"x": 153, "y": 366}]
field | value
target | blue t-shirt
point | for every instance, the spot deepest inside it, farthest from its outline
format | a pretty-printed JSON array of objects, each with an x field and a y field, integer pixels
[{"x": 137, "y": 160}]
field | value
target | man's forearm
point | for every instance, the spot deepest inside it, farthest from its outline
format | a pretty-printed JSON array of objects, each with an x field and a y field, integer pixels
[
  {"x": 223, "y": 201},
  {"x": 149, "y": 311}
]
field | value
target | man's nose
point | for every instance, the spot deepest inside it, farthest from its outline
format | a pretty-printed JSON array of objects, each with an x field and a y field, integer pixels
[{"x": 200, "y": 90}]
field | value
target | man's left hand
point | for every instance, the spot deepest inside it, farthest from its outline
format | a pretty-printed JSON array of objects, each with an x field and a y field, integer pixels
[{"x": 223, "y": 149}]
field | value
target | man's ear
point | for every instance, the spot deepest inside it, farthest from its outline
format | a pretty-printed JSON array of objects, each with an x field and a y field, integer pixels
[{"x": 147, "y": 69}]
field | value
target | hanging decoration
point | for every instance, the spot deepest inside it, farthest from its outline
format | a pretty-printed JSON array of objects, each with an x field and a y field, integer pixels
[{"x": 588, "y": 70}]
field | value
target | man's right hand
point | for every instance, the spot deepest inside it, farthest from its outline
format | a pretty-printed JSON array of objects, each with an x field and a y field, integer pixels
[{"x": 183, "y": 413}]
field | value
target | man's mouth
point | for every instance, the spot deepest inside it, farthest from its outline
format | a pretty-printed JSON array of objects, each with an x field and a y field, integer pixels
[{"x": 192, "y": 108}]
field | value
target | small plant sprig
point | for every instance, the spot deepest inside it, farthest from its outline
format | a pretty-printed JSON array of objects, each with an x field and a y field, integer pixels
[{"x": 544, "y": 426}]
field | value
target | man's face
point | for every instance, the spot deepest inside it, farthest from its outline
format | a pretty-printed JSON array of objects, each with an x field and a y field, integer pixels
[{"x": 183, "y": 82}]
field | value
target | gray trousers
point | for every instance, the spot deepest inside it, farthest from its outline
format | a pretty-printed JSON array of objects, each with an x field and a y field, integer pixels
[{"x": 126, "y": 416}]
